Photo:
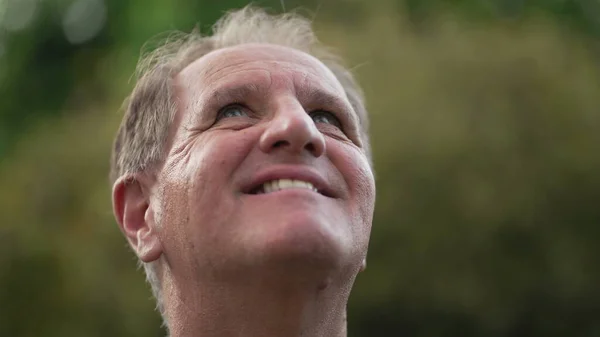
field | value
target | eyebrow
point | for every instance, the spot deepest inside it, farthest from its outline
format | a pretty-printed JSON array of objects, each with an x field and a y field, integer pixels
[
  {"x": 315, "y": 97},
  {"x": 233, "y": 94},
  {"x": 310, "y": 97},
  {"x": 320, "y": 98}
]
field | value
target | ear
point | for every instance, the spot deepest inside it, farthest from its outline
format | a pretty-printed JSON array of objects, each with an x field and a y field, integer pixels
[
  {"x": 135, "y": 217},
  {"x": 363, "y": 265}
]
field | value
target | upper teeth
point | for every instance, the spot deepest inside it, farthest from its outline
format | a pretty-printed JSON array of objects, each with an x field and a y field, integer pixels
[{"x": 282, "y": 184}]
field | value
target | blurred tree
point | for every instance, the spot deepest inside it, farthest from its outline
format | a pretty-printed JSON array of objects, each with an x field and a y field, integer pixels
[{"x": 582, "y": 15}]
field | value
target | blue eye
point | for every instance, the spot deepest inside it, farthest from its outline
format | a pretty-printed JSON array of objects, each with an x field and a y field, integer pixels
[
  {"x": 230, "y": 111},
  {"x": 320, "y": 116}
]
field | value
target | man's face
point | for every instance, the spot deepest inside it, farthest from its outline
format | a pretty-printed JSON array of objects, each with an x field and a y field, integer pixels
[{"x": 265, "y": 167}]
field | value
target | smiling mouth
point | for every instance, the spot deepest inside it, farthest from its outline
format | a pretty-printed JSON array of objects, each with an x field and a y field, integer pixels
[{"x": 283, "y": 184}]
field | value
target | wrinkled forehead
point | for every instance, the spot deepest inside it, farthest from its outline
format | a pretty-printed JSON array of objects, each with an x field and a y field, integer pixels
[{"x": 222, "y": 62}]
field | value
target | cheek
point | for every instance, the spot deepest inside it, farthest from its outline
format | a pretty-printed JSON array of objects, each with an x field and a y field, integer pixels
[
  {"x": 223, "y": 151},
  {"x": 364, "y": 194},
  {"x": 365, "y": 182},
  {"x": 356, "y": 171},
  {"x": 210, "y": 161},
  {"x": 197, "y": 194},
  {"x": 358, "y": 176}
]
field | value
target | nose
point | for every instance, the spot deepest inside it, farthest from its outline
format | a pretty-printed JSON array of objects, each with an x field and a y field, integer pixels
[{"x": 291, "y": 129}]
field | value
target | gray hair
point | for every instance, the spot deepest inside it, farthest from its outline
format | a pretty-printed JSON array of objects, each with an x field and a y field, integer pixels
[{"x": 140, "y": 144}]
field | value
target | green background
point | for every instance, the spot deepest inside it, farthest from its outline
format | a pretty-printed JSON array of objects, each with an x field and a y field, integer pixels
[{"x": 486, "y": 136}]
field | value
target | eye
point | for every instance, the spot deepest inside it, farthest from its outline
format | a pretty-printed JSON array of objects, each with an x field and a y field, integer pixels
[
  {"x": 230, "y": 111},
  {"x": 321, "y": 116}
]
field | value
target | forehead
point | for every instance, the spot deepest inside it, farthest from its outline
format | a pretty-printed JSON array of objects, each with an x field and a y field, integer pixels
[{"x": 223, "y": 63}]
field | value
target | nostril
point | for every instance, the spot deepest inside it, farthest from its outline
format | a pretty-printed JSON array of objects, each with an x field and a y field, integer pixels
[
  {"x": 310, "y": 147},
  {"x": 279, "y": 143}
]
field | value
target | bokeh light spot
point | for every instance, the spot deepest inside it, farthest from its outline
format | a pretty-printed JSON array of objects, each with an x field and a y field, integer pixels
[
  {"x": 16, "y": 15},
  {"x": 83, "y": 20}
]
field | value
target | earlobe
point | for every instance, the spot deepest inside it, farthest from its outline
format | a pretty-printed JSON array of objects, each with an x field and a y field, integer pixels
[
  {"x": 132, "y": 211},
  {"x": 363, "y": 265}
]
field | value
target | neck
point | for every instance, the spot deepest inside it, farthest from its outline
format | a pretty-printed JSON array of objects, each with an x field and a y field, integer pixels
[{"x": 275, "y": 304}]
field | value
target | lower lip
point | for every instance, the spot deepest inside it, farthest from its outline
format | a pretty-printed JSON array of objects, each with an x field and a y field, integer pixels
[{"x": 290, "y": 191}]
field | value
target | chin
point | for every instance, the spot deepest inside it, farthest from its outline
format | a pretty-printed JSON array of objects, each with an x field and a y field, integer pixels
[{"x": 303, "y": 238}]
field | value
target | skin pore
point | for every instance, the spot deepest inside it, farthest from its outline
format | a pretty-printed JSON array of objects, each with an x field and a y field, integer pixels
[{"x": 234, "y": 260}]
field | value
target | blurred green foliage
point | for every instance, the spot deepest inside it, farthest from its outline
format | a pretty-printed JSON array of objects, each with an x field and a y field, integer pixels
[{"x": 486, "y": 133}]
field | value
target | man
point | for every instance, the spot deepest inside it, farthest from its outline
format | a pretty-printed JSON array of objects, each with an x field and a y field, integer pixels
[{"x": 242, "y": 180}]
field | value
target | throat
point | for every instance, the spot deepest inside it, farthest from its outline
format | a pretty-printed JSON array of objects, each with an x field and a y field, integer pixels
[{"x": 258, "y": 307}]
